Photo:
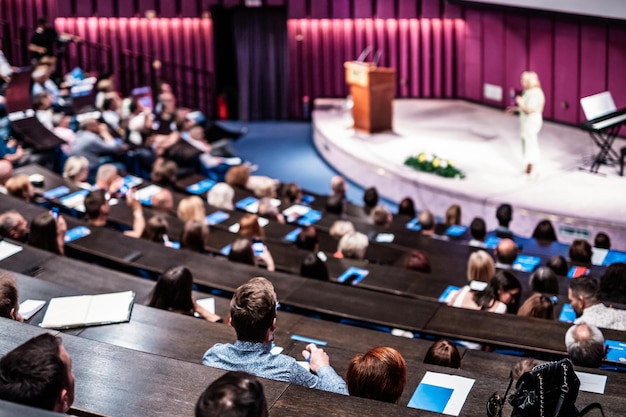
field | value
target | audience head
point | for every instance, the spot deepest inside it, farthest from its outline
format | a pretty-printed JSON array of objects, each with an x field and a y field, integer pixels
[
  {"x": 6, "y": 171},
  {"x": 558, "y": 265},
  {"x": 241, "y": 252},
  {"x": 76, "y": 169},
  {"x": 506, "y": 251},
  {"x": 268, "y": 210},
  {"x": 585, "y": 345},
  {"x": 480, "y": 267},
  {"x": 253, "y": 310},
  {"x": 313, "y": 267},
  {"x": 164, "y": 173},
  {"x": 340, "y": 228},
  {"x": 353, "y": 245},
  {"x": 370, "y": 197},
  {"x": 544, "y": 232},
  {"x": 507, "y": 289},
  {"x": 583, "y": 292},
  {"x": 20, "y": 187},
  {"x": 156, "y": 229},
  {"x": 613, "y": 283},
  {"x": 478, "y": 229},
  {"x": 38, "y": 373},
  {"x": 194, "y": 236},
  {"x": 521, "y": 367},
  {"x": 334, "y": 204},
  {"x": 443, "y": 353},
  {"x": 544, "y": 280},
  {"x": 504, "y": 214},
  {"x": 263, "y": 186},
  {"x": 291, "y": 193},
  {"x": 237, "y": 176},
  {"x": 427, "y": 221},
  {"x": 379, "y": 374},
  {"x": 221, "y": 196},
  {"x": 234, "y": 394},
  {"x": 43, "y": 233},
  {"x": 172, "y": 290},
  {"x": 96, "y": 205},
  {"x": 537, "y": 305},
  {"x": 453, "y": 215},
  {"x": 602, "y": 241},
  {"x": 307, "y": 239},
  {"x": 13, "y": 225},
  {"x": 417, "y": 261},
  {"x": 191, "y": 208},
  {"x": 406, "y": 207},
  {"x": 338, "y": 186},
  {"x": 9, "y": 302},
  {"x": 580, "y": 252},
  {"x": 381, "y": 216},
  {"x": 106, "y": 175},
  {"x": 163, "y": 201},
  {"x": 249, "y": 226}
]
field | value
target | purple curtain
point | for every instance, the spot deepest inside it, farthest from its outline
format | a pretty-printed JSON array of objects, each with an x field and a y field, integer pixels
[{"x": 262, "y": 55}]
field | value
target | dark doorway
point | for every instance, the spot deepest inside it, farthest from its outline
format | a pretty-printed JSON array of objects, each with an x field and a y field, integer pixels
[{"x": 225, "y": 59}]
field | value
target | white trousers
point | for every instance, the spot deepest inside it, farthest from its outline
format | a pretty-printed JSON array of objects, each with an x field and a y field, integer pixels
[{"x": 530, "y": 125}]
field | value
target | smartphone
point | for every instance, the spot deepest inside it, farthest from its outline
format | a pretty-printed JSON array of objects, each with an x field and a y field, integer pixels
[
  {"x": 55, "y": 212},
  {"x": 577, "y": 271},
  {"x": 258, "y": 248}
]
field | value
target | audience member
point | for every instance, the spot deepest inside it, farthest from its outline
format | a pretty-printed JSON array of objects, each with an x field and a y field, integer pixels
[
  {"x": 544, "y": 233},
  {"x": 353, "y": 245},
  {"x": 234, "y": 394},
  {"x": 478, "y": 231},
  {"x": 504, "y": 214},
  {"x": 164, "y": 173},
  {"x": 313, "y": 267},
  {"x": 268, "y": 210},
  {"x": 507, "y": 289},
  {"x": 291, "y": 193},
  {"x": 506, "y": 253},
  {"x": 417, "y": 261},
  {"x": 243, "y": 251},
  {"x": 406, "y": 207},
  {"x": 580, "y": 252},
  {"x": 163, "y": 201},
  {"x": 558, "y": 265},
  {"x": 38, "y": 373},
  {"x": 20, "y": 187},
  {"x": 9, "y": 300},
  {"x": 48, "y": 233},
  {"x": 538, "y": 306},
  {"x": 307, "y": 239},
  {"x": 443, "y": 353},
  {"x": 544, "y": 280},
  {"x": 221, "y": 196},
  {"x": 62, "y": 130},
  {"x": 14, "y": 226},
  {"x": 476, "y": 295},
  {"x": 602, "y": 241},
  {"x": 379, "y": 374},
  {"x": 253, "y": 315},
  {"x": 381, "y": 216},
  {"x": 613, "y": 283},
  {"x": 94, "y": 142},
  {"x": 173, "y": 292},
  {"x": 338, "y": 187},
  {"x": 191, "y": 208},
  {"x": 480, "y": 267},
  {"x": 156, "y": 229},
  {"x": 583, "y": 297},
  {"x": 195, "y": 236},
  {"x": 108, "y": 179},
  {"x": 335, "y": 205},
  {"x": 97, "y": 212},
  {"x": 237, "y": 176},
  {"x": 585, "y": 345},
  {"x": 370, "y": 199},
  {"x": 427, "y": 222},
  {"x": 249, "y": 226},
  {"x": 76, "y": 171},
  {"x": 6, "y": 172},
  {"x": 453, "y": 215},
  {"x": 340, "y": 228}
]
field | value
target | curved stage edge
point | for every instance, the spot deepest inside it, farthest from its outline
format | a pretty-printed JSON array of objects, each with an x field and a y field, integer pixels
[{"x": 484, "y": 143}]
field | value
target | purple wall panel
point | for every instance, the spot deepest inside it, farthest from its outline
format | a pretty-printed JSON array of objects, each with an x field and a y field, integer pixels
[
  {"x": 316, "y": 63},
  {"x": 515, "y": 54},
  {"x": 407, "y": 9},
  {"x": 232, "y": 3},
  {"x": 327, "y": 54},
  {"x": 63, "y": 8},
  {"x": 385, "y": 9},
  {"x": 493, "y": 49},
  {"x": 431, "y": 9},
  {"x": 144, "y": 5},
  {"x": 473, "y": 55},
  {"x": 362, "y": 9},
  {"x": 391, "y": 51},
  {"x": 459, "y": 45},
  {"x": 437, "y": 57},
  {"x": 402, "y": 68},
  {"x": 593, "y": 62},
  {"x": 295, "y": 82},
  {"x": 541, "y": 51},
  {"x": 340, "y": 9},
  {"x": 189, "y": 9},
  {"x": 105, "y": 9},
  {"x": 126, "y": 8},
  {"x": 275, "y": 2},
  {"x": 168, "y": 8},
  {"x": 319, "y": 9},
  {"x": 448, "y": 58},
  {"x": 414, "y": 54},
  {"x": 338, "y": 45},
  {"x": 452, "y": 11},
  {"x": 427, "y": 57},
  {"x": 84, "y": 9},
  {"x": 566, "y": 84},
  {"x": 617, "y": 62},
  {"x": 296, "y": 9}
]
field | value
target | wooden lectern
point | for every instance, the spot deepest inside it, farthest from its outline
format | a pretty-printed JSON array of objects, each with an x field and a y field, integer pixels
[{"x": 372, "y": 89}]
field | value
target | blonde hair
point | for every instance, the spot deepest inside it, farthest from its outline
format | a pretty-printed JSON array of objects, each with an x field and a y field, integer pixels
[
  {"x": 480, "y": 267},
  {"x": 191, "y": 208},
  {"x": 532, "y": 78},
  {"x": 74, "y": 166},
  {"x": 221, "y": 196},
  {"x": 249, "y": 226}
]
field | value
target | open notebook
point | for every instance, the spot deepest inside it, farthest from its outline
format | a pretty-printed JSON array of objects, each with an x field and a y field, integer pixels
[{"x": 88, "y": 310}]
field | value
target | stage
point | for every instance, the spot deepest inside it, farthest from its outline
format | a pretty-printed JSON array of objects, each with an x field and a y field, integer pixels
[{"x": 484, "y": 143}]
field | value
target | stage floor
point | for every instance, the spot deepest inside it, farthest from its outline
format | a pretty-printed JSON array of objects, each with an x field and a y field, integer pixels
[{"x": 484, "y": 143}]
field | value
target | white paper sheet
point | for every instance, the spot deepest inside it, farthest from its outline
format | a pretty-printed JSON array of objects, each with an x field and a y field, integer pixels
[{"x": 592, "y": 382}]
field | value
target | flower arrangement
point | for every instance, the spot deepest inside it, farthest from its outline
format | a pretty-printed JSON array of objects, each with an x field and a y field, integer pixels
[{"x": 427, "y": 162}]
